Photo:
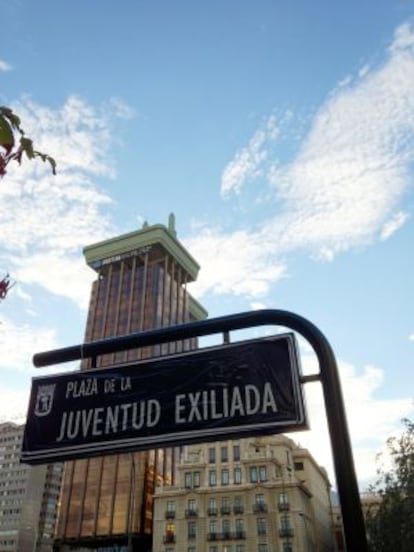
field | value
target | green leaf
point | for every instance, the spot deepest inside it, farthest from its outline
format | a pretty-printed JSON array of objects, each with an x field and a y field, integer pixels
[
  {"x": 12, "y": 117},
  {"x": 44, "y": 157},
  {"x": 6, "y": 134},
  {"x": 27, "y": 146},
  {"x": 52, "y": 163}
]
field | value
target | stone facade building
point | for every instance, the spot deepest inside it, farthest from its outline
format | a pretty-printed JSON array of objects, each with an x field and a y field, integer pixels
[{"x": 261, "y": 494}]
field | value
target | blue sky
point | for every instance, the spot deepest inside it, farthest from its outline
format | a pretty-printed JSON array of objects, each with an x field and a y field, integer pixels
[{"x": 281, "y": 134}]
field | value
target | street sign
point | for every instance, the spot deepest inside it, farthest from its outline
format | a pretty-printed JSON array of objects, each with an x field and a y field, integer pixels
[{"x": 235, "y": 390}]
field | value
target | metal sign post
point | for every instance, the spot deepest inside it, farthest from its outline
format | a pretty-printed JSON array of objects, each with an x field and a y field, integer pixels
[{"x": 353, "y": 521}]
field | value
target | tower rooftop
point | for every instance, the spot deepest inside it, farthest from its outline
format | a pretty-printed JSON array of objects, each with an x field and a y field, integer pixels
[{"x": 127, "y": 245}]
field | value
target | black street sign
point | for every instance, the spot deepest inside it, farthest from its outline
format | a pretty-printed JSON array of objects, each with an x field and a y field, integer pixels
[{"x": 235, "y": 390}]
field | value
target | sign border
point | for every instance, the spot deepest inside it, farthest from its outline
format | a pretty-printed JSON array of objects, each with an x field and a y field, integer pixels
[{"x": 182, "y": 437}]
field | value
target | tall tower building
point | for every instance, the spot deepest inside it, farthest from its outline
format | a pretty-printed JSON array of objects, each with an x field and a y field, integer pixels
[{"x": 106, "y": 502}]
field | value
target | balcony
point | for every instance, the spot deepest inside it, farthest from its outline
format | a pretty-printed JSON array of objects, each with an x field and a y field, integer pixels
[
  {"x": 284, "y": 506},
  {"x": 285, "y": 532},
  {"x": 226, "y": 535},
  {"x": 211, "y": 511},
  {"x": 259, "y": 508},
  {"x": 168, "y": 538},
  {"x": 169, "y": 514},
  {"x": 191, "y": 512}
]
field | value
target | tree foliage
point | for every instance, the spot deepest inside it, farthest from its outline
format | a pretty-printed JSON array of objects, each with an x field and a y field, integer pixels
[
  {"x": 390, "y": 524},
  {"x": 14, "y": 143}
]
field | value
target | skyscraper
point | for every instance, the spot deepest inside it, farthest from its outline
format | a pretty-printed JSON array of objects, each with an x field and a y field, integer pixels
[{"x": 106, "y": 502}]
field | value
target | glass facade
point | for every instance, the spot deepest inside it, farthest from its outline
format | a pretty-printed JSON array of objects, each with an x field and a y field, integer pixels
[{"x": 112, "y": 496}]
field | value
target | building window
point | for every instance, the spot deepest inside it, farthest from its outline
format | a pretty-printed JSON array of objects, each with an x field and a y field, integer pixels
[
  {"x": 225, "y": 506},
  {"x": 169, "y": 533},
  {"x": 227, "y": 548},
  {"x": 285, "y": 522},
  {"x": 212, "y": 507},
  {"x": 236, "y": 453},
  {"x": 283, "y": 502},
  {"x": 260, "y": 499},
  {"x": 239, "y": 547},
  {"x": 240, "y": 534},
  {"x": 259, "y": 505},
  {"x": 263, "y": 548},
  {"x": 253, "y": 474},
  {"x": 191, "y": 507},
  {"x": 237, "y": 476},
  {"x": 212, "y": 478},
  {"x": 213, "y": 548},
  {"x": 298, "y": 466},
  {"x": 191, "y": 479},
  {"x": 226, "y": 529},
  {"x": 224, "y": 454},
  {"x": 212, "y": 530},
  {"x": 191, "y": 549},
  {"x": 262, "y": 473},
  {"x": 261, "y": 526},
  {"x": 196, "y": 479},
  {"x": 238, "y": 505},
  {"x": 170, "y": 511},
  {"x": 285, "y": 527},
  {"x": 188, "y": 479},
  {"x": 192, "y": 530},
  {"x": 225, "y": 478},
  {"x": 287, "y": 547},
  {"x": 212, "y": 455}
]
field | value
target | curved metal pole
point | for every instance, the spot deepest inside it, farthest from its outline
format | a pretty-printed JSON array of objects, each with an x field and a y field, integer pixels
[{"x": 353, "y": 520}]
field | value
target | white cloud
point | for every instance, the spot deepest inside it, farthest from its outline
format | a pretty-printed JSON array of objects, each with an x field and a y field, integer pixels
[
  {"x": 67, "y": 275},
  {"x": 257, "y": 305},
  {"x": 14, "y": 403},
  {"x": 342, "y": 189},
  {"x": 122, "y": 109},
  {"x": 22, "y": 294},
  {"x": 345, "y": 81},
  {"x": 47, "y": 219},
  {"x": 18, "y": 343},
  {"x": 411, "y": 337},
  {"x": 396, "y": 221},
  {"x": 77, "y": 134},
  {"x": 370, "y": 420},
  {"x": 247, "y": 162},
  {"x": 353, "y": 168},
  {"x": 235, "y": 263},
  {"x": 364, "y": 71},
  {"x": 4, "y": 66},
  {"x": 403, "y": 39}
]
